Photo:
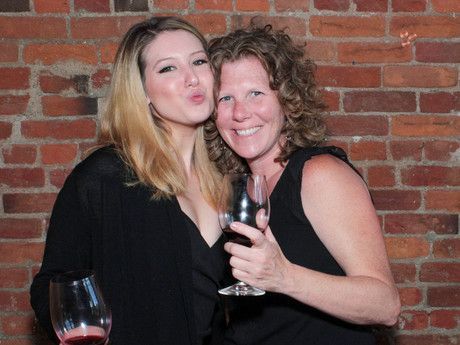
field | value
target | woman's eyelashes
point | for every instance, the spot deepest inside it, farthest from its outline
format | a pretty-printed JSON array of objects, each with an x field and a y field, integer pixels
[
  {"x": 200, "y": 62},
  {"x": 169, "y": 68},
  {"x": 166, "y": 69},
  {"x": 225, "y": 99}
]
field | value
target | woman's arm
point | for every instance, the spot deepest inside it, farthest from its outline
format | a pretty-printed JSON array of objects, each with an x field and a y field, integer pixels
[
  {"x": 338, "y": 205},
  {"x": 67, "y": 248}
]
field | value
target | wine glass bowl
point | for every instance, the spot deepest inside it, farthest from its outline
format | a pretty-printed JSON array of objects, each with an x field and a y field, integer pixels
[
  {"x": 244, "y": 199},
  {"x": 79, "y": 313}
]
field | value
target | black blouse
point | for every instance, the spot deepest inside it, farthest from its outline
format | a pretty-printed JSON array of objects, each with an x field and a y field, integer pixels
[{"x": 208, "y": 267}]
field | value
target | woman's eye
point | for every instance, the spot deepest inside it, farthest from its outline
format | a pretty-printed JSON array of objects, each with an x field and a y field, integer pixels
[
  {"x": 256, "y": 93},
  {"x": 166, "y": 69},
  {"x": 224, "y": 99},
  {"x": 200, "y": 62}
]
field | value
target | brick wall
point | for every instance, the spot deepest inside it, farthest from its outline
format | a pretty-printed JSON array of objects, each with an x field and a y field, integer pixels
[{"x": 394, "y": 105}]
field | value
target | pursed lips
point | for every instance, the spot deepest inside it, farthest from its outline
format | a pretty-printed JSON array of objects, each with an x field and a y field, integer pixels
[{"x": 197, "y": 97}]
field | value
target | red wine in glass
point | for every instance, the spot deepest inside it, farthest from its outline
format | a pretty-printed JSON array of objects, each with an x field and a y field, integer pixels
[
  {"x": 79, "y": 313},
  {"x": 244, "y": 199}
]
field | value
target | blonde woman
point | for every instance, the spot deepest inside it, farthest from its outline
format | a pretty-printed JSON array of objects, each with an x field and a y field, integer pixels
[{"x": 140, "y": 210}]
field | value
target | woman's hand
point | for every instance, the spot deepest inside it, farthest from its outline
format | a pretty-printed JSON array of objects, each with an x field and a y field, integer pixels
[{"x": 263, "y": 265}]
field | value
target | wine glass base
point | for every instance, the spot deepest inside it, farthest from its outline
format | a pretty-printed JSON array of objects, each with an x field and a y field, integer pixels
[{"x": 241, "y": 289}]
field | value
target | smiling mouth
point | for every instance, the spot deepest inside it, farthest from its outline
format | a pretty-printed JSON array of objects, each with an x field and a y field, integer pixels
[{"x": 247, "y": 132}]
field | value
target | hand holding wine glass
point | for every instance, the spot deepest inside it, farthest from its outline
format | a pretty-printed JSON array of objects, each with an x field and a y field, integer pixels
[
  {"x": 244, "y": 199},
  {"x": 78, "y": 311}
]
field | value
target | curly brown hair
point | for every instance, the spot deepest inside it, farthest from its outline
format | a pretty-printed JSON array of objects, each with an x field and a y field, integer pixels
[{"x": 290, "y": 73}]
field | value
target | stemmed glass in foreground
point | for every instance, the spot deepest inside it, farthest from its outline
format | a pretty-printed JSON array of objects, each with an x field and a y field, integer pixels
[
  {"x": 78, "y": 311},
  {"x": 244, "y": 199}
]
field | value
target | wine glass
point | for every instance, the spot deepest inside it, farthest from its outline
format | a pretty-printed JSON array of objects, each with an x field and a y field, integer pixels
[
  {"x": 78, "y": 312},
  {"x": 244, "y": 199}
]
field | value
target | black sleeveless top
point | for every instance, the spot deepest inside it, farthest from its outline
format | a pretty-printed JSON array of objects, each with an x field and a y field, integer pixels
[
  {"x": 208, "y": 268},
  {"x": 276, "y": 319}
]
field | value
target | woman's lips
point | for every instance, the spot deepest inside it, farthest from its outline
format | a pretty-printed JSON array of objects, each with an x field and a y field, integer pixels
[{"x": 197, "y": 97}]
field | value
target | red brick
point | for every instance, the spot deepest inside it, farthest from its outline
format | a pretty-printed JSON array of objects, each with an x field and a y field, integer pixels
[
  {"x": 407, "y": 247},
  {"x": 252, "y": 5},
  {"x": 292, "y": 5},
  {"x": 8, "y": 52},
  {"x": 413, "y": 320},
  {"x": 21, "y": 228},
  {"x": 353, "y": 125},
  {"x": 414, "y": 223},
  {"x": 5, "y": 130},
  {"x": 448, "y": 200},
  {"x": 173, "y": 4},
  {"x": 33, "y": 27},
  {"x": 383, "y": 101},
  {"x": 49, "y": 54},
  {"x": 443, "y": 296},
  {"x": 405, "y": 273},
  {"x": 331, "y": 99},
  {"x": 19, "y": 154},
  {"x": 410, "y": 296},
  {"x": 341, "y": 76},
  {"x": 11, "y": 301},
  {"x": 381, "y": 176},
  {"x": 440, "y": 102},
  {"x": 447, "y": 248},
  {"x": 292, "y": 26},
  {"x": 416, "y": 125},
  {"x": 55, "y": 6},
  {"x": 426, "y": 26},
  {"x": 59, "y": 106},
  {"x": 332, "y": 26},
  {"x": 446, "y": 6},
  {"x": 408, "y": 5},
  {"x": 448, "y": 272},
  {"x": 108, "y": 52},
  {"x": 83, "y": 129},
  {"x": 394, "y": 199},
  {"x": 13, "y": 278},
  {"x": 428, "y": 339},
  {"x": 13, "y": 105},
  {"x": 208, "y": 23},
  {"x": 444, "y": 52},
  {"x": 101, "y": 27},
  {"x": 50, "y": 83},
  {"x": 14, "y": 78},
  {"x": 131, "y": 6},
  {"x": 224, "y": 5},
  {"x": 373, "y": 52},
  {"x": 419, "y": 76},
  {"x": 430, "y": 176},
  {"x": 371, "y": 6},
  {"x": 99, "y": 6},
  {"x": 28, "y": 202},
  {"x": 58, "y": 153},
  {"x": 22, "y": 177},
  {"x": 21, "y": 252},
  {"x": 403, "y": 150},
  {"x": 13, "y": 325},
  {"x": 101, "y": 79},
  {"x": 58, "y": 176},
  {"x": 320, "y": 51},
  {"x": 447, "y": 319},
  {"x": 368, "y": 150},
  {"x": 332, "y": 5}
]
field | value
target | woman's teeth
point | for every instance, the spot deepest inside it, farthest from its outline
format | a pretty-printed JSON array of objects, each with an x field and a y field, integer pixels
[{"x": 249, "y": 131}]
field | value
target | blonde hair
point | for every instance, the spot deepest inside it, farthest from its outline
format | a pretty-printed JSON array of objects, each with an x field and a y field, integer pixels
[{"x": 143, "y": 141}]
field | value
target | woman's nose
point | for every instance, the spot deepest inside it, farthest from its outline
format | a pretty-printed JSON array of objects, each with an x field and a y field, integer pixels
[
  {"x": 240, "y": 112},
  {"x": 191, "y": 78}
]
